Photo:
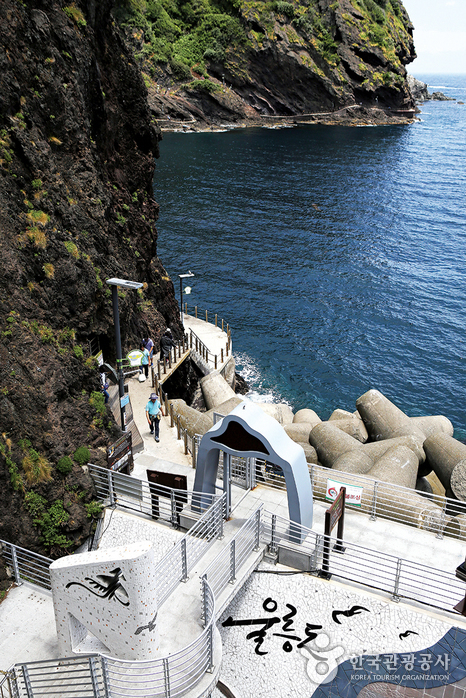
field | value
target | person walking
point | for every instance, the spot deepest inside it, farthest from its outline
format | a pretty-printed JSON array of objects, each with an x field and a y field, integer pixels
[
  {"x": 166, "y": 343},
  {"x": 144, "y": 361},
  {"x": 149, "y": 345},
  {"x": 154, "y": 414}
]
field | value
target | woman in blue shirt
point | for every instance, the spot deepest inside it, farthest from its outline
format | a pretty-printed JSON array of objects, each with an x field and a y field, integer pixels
[
  {"x": 145, "y": 360},
  {"x": 154, "y": 414}
]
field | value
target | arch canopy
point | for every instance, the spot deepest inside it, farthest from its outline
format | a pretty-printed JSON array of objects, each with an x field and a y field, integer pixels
[{"x": 250, "y": 433}]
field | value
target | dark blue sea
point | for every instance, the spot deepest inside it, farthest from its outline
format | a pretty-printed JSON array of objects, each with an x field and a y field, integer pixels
[{"x": 336, "y": 254}]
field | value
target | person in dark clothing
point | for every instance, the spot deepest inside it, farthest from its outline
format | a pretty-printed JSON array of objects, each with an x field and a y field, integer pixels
[{"x": 166, "y": 343}]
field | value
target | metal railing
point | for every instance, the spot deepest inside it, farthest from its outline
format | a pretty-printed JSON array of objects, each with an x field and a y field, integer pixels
[
  {"x": 399, "y": 577},
  {"x": 197, "y": 345},
  {"x": 225, "y": 567},
  {"x": 25, "y": 565},
  {"x": 161, "y": 503},
  {"x": 99, "y": 676},
  {"x": 433, "y": 513},
  {"x": 176, "y": 566},
  {"x": 215, "y": 321},
  {"x": 175, "y": 354}
]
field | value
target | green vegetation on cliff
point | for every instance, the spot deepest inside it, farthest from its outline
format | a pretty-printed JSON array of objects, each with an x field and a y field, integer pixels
[{"x": 295, "y": 55}]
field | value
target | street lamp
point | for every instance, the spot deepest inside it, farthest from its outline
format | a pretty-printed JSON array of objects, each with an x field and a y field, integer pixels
[
  {"x": 123, "y": 283},
  {"x": 184, "y": 276}
]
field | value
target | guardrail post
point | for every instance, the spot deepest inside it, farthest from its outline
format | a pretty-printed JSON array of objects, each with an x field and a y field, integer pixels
[
  {"x": 184, "y": 560},
  {"x": 166, "y": 677},
  {"x": 166, "y": 405},
  {"x": 194, "y": 453},
  {"x": 172, "y": 417},
  {"x": 185, "y": 436},
  {"x": 94, "y": 678},
  {"x": 232, "y": 579},
  {"x": 442, "y": 521},
  {"x": 211, "y": 649},
  {"x": 221, "y": 356},
  {"x": 14, "y": 560},
  {"x": 105, "y": 676},
  {"x": 27, "y": 681},
  {"x": 173, "y": 517},
  {"x": 374, "y": 503},
  {"x": 258, "y": 531},
  {"x": 273, "y": 536},
  {"x": 178, "y": 427},
  {"x": 227, "y": 348},
  {"x": 215, "y": 359},
  {"x": 158, "y": 369},
  {"x": 204, "y": 599},
  {"x": 395, "y": 595},
  {"x": 111, "y": 492}
]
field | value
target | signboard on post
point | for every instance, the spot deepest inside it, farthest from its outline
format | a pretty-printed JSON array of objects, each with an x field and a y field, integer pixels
[
  {"x": 353, "y": 492},
  {"x": 333, "y": 516},
  {"x": 120, "y": 454}
]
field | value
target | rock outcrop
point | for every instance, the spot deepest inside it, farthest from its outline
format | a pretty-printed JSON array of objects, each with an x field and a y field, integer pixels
[
  {"x": 259, "y": 60},
  {"x": 77, "y": 154},
  {"x": 420, "y": 91}
]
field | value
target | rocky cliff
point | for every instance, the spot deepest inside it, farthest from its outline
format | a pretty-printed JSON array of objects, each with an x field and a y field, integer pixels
[
  {"x": 232, "y": 60},
  {"x": 77, "y": 154}
]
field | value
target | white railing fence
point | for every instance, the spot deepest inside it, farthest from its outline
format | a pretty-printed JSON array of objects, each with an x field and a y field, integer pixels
[
  {"x": 224, "y": 568},
  {"x": 399, "y": 577},
  {"x": 98, "y": 676}
]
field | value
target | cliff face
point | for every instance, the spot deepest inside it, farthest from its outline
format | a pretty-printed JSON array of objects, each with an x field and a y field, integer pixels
[
  {"x": 77, "y": 154},
  {"x": 256, "y": 58}
]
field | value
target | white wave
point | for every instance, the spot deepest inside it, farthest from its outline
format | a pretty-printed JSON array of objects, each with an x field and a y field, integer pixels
[{"x": 248, "y": 370}]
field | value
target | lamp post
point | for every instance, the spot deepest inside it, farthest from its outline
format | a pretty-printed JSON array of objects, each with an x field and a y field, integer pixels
[
  {"x": 183, "y": 276},
  {"x": 115, "y": 283}
]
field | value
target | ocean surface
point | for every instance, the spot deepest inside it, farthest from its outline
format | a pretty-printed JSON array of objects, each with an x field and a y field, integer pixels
[{"x": 336, "y": 254}]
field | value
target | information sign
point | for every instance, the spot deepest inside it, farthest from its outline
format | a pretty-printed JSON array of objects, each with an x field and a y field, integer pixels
[
  {"x": 120, "y": 454},
  {"x": 353, "y": 493}
]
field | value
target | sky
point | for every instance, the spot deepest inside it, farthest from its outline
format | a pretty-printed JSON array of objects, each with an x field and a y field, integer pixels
[{"x": 439, "y": 35}]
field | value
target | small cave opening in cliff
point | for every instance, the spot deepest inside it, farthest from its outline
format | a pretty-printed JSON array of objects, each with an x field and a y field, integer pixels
[{"x": 184, "y": 384}]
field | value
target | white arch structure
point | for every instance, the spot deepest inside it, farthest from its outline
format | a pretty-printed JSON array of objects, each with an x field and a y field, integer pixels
[{"x": 248, "y": 432}]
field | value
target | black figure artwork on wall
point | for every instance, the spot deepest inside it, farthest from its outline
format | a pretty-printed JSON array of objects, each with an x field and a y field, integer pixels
[{"x": 108, "y": 586}]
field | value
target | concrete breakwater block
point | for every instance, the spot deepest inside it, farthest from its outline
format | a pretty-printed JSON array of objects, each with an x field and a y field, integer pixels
[
  {"x": 306, "y": 416},
  {"x": 309, "y": 452},
  {"x": 433, "y": 424},
  {"x": 226, "y": 407},
  {"x": 354, "y": 427},
  {"x": 298, "y": 432},
  {"x": 353, "y": 462},
  {"x": 331, "y": 442},
  {"x": 376, "y": 449},
  {"x": 398, "y": 465},
  {"x": 215, "y": 389},
  {"x": 279, "y": 411},
  {"x": 193, "y": 421},
  {"x": 446, "y": 454},
  {"x": 383, "y": 419}
]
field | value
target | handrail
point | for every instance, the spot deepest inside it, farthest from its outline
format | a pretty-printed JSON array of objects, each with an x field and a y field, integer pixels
[
  {"x": 400, "y": 577},
  {"x": 226, "y": 565},
  {"x": 99, "y": 674},
  {"x": 215, "y": 323},
  {"x": 26, "y": 565},
  {"x": 203, "y": 351},
  {"x": 143, "y": 497}
]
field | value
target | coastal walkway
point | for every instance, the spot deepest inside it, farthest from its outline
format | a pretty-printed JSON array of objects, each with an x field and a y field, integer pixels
[{"x": 27, "y": 613}]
